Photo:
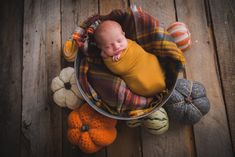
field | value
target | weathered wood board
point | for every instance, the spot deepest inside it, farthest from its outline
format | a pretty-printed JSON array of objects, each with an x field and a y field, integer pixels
[
  {"x": 222, "y": 15},
  {"x": 73, "y": 13},
  {"x": 211, "y": 133},
  {"x": 41, "y": 118},
  {"x": 11, "y": 19}
]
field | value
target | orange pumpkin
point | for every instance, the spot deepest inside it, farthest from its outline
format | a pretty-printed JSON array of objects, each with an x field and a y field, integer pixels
[
  {"x": 90, "y": 130},
  {"x": 70, "y": 50}
]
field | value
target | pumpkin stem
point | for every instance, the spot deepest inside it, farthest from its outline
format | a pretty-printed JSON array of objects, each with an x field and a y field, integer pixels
[
  {"x": 67, "y": 85},
  {"x": 84, "y": 128},
  {"x": 188, "y": 100}
]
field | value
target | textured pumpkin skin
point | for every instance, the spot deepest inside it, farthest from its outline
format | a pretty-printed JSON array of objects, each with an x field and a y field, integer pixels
[
  {"x": 100, "y": 131},
  {"x": 156, "y": 123},
  {"x": 188, "y": 102},
  {"x": 66, "y": 93}
]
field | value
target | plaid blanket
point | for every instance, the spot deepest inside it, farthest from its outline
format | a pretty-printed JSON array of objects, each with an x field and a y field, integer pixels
[{"x": 109, "y": 91}]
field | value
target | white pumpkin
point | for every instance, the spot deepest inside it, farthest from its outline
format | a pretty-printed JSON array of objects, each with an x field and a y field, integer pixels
[
  {"x": 66, "y": 93},
  {"x": 156, "y": 123}
]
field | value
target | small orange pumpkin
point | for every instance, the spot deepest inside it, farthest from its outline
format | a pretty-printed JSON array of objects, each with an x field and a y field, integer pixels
[
  {"x": 70, "y": 50},
  {"x": 90, "y": 130}
]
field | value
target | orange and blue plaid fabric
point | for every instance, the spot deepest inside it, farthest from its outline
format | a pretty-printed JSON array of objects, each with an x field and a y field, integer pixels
[{"x": 110, "y": 92}]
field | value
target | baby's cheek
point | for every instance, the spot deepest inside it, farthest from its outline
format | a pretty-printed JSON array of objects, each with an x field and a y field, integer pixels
[
  {"x": 125, "y": 44},
  {"x": 110, "y": 53}
]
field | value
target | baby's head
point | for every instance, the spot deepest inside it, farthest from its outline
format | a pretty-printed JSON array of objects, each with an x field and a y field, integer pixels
[{"x": 110, "y": 38}]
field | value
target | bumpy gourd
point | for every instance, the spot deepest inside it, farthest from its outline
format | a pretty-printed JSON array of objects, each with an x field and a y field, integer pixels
[
  {"x": 90, "y": 130},
  {"x": 188, "y": 102},
  {"x": 66, "y": 93}
]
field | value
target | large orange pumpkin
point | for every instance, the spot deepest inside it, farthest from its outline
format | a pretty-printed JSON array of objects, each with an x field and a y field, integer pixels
[{"x": 90, "y": 130}]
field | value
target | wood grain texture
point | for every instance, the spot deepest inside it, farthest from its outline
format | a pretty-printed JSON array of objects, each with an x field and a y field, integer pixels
[
  {"x": 163, "y": 10},
  {"x": 73, "y": 13},
  {"x": 211, "y": 133},
  {"x": 11, "y": 19},
  {"x": 128, "y": 142},
  {"x": 165, "y": 144},
  {"x": 41, "y": 118},
  {"x": 223, "y": 18},
  {"x": 106, "y": 6}
]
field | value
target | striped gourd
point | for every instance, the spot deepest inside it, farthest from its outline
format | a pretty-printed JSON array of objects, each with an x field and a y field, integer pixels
[
  {"x": 182, "y": 37},
  {"x": 156, "y": 123}
]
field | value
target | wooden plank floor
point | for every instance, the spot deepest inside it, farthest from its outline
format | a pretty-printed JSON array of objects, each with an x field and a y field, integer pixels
[{"x": 31, "y": 37}]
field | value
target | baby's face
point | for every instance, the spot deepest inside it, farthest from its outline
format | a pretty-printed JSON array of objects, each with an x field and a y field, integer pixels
[{"x": 113, "y": 42}]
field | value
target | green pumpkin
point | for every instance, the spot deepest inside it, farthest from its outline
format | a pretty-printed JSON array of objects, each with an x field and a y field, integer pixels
[{"x": 188, "y": 102}]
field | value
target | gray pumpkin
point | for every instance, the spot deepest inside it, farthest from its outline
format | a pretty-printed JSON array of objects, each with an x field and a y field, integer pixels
[{"x": 188, "y": 102}]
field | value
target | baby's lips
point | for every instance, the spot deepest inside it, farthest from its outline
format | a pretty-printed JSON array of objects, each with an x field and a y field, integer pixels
[{"x": 118, "y": 52}]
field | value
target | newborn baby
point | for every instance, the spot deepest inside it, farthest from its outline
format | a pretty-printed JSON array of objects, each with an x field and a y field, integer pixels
[{"x": 139, "y": 69}]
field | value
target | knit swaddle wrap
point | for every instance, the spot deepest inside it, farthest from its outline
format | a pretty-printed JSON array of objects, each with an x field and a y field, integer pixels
[
  {"x": 139, "y": 69},
  {"x": 109, "y": 91}
]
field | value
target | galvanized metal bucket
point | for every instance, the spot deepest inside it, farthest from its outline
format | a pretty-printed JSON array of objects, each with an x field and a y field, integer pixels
[{"x": 171, "y": 77}]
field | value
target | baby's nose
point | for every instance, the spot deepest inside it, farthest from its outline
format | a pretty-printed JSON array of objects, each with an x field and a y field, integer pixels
[{"x": 115, "y": 46}]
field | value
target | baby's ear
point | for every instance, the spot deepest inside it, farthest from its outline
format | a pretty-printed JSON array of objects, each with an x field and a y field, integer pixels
[{"x": 123, "y": 33}]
